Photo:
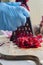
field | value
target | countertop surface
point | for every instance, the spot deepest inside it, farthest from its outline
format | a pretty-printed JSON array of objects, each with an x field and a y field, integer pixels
[
  {"x": 4, "y": 62},
  {"x": 10, "y": 48}
]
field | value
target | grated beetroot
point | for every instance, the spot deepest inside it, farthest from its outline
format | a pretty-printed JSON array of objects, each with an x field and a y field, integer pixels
[{"x": 29, "y": 41}]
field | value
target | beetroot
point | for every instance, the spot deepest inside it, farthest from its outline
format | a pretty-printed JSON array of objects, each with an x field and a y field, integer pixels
[{"x": 29, "y": 41}]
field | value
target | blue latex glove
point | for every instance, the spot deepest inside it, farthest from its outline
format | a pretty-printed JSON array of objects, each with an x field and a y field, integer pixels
[
  {"x": 14, "y": 3},
  {"x": 12, "y": 17}
]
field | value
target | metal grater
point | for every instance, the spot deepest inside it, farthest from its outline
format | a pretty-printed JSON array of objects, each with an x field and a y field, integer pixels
[{"x": 27, "y": 29}]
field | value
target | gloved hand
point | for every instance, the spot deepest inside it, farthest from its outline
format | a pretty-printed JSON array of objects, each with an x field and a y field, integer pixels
[
  {"x": 14, "y": 3},
  {"x": 12, "y": 17}
]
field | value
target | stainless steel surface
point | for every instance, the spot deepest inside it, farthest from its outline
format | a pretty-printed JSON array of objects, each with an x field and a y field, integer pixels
[
  {"x": 17, "y": 62},
  {"x": 0, "y": 63}
]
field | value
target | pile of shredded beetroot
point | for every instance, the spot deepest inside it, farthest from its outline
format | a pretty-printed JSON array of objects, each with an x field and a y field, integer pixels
[{"x": 28, "y": 41}]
